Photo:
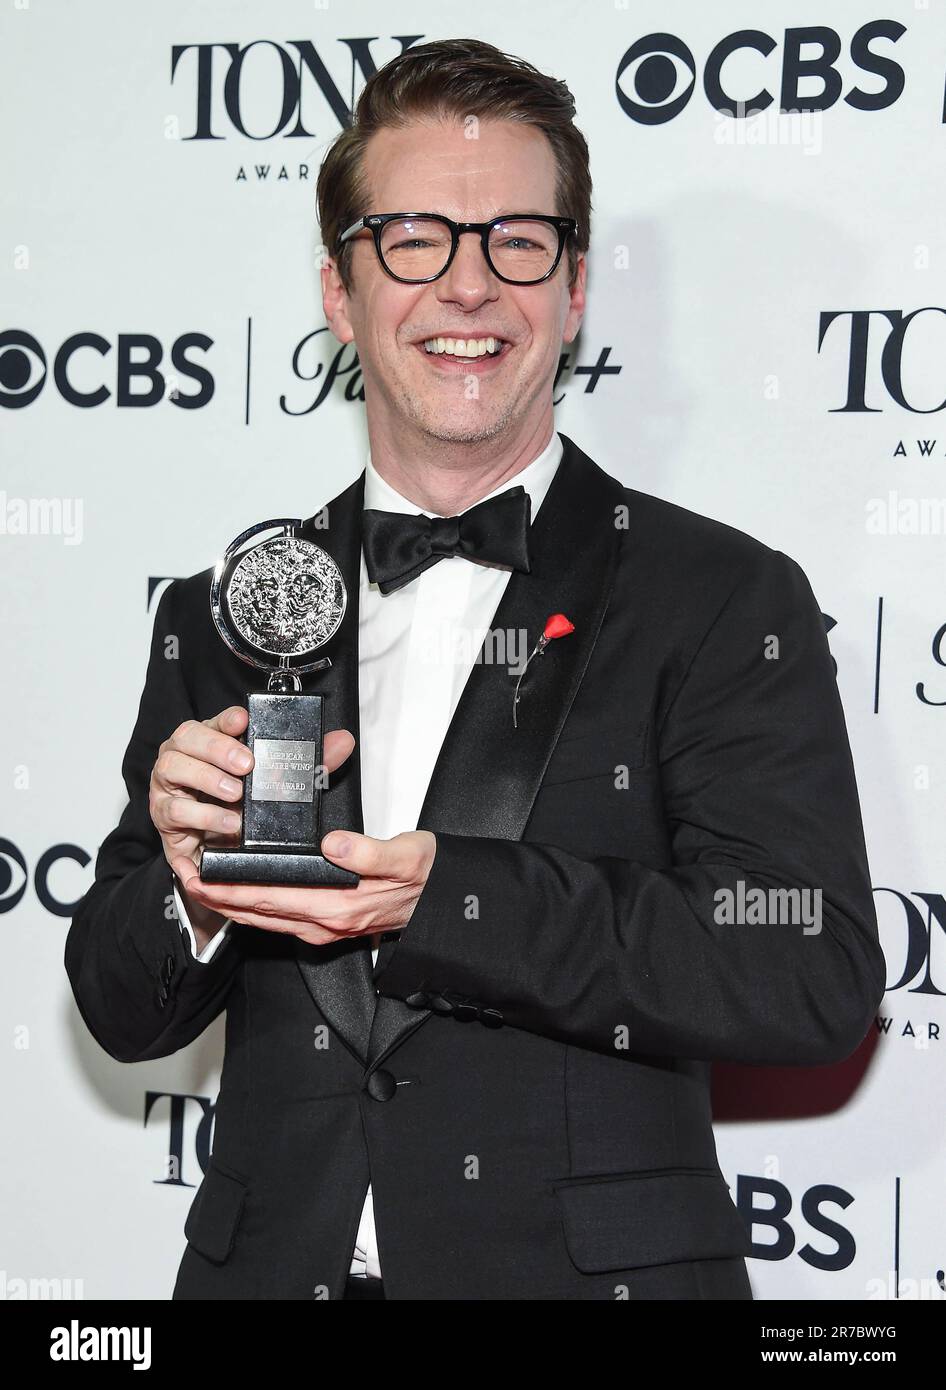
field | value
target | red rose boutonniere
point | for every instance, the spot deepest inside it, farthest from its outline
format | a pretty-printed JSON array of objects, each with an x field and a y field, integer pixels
[{"x": 555, "y": 626}]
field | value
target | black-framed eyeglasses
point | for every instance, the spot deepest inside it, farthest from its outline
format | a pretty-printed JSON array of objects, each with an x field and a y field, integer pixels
[{"x": 416, "y": 247}]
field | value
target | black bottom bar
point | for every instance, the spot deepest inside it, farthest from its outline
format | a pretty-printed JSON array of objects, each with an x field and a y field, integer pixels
[{"x": 363, "y": 1288}]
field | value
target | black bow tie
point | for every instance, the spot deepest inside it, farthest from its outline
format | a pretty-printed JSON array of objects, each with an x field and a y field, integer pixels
[{"x": 399, "y": 546}]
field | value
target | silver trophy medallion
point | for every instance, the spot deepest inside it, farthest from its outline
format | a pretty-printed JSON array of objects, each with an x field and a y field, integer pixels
[{"x": 284, "y": 598}]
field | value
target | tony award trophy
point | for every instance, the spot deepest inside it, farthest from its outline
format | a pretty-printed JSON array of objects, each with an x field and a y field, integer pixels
[{"x": 274, "y": 605}]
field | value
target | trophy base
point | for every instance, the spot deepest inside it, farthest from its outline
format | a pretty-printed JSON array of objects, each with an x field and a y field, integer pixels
[{"x": 291, "y": 866}]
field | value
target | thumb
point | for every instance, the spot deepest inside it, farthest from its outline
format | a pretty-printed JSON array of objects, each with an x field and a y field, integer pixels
[{"x": 360, "y": 853}]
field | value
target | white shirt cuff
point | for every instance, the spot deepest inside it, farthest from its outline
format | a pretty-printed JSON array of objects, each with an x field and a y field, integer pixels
[{"x": 188, "y": 931}]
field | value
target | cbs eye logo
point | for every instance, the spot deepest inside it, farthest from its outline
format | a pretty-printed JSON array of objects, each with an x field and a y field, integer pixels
[
  {"x": 658, "y": 63},
  {"x": 14, "y": 877},
  {"x": 22, "y": 368},
  {"x": 657, "y": 75}
]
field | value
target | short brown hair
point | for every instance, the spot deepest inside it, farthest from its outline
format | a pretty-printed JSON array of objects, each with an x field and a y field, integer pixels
[{"x": 454, "y": 78}]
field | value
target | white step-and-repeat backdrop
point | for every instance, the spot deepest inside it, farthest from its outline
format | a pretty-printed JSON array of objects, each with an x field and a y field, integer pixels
[{"x": 764, "y": 343}]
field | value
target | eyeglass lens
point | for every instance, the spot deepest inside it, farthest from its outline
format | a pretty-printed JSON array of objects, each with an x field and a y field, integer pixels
[{"x": 416, "y": 248}]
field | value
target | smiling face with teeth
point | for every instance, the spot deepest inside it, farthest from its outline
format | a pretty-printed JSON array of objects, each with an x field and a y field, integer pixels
[{"x": 465, "y": 360}]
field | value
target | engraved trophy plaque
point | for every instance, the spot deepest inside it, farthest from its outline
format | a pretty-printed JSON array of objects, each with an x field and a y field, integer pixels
[{"x": 274, "y": 605}]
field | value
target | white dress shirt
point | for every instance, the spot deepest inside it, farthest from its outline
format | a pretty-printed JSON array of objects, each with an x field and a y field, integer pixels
[{"x": 416, "y": 648}]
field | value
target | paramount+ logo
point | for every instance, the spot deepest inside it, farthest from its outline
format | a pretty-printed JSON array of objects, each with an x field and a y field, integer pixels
[{"x": 657, "y": 76}]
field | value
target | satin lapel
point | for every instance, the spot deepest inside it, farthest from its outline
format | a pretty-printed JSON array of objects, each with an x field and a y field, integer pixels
[
  {"x": 488, "y": 774},
  {"x": 339, "y": 977}
]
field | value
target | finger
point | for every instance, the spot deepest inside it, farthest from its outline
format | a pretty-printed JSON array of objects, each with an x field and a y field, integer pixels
[
  {"x": 178, "y": 771},
  {"x": 232, "y": 720},
  {"x": 312, "y": 935},
  {"x": 186, "y": 871},
  {"x": 176, "y": 813},
  {"x": 272, "y": 900},
  {"x": 337, "y": 746},
  {"x": 210, "y": 745},
  {"x": 363, "y": 854},
  {"x": 405, "y": 858}
]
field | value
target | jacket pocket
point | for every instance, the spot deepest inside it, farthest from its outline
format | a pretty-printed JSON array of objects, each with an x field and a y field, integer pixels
[
  {"x": 215, "y": 1212},
  {"x": 600, "y": 753},
  {"x": 666, "y": 1216}
]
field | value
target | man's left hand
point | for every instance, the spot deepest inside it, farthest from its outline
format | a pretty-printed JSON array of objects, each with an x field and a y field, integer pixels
[{"x": 393, "y": 874}]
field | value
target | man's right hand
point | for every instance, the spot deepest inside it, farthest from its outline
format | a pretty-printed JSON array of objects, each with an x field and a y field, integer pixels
[{"x": 194, "y": 784}]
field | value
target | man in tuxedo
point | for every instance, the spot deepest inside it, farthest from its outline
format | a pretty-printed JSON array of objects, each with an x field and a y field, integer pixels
[{"x": 484, "y": 1072}]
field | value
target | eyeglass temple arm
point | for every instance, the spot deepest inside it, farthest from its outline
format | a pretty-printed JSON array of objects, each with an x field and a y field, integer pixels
[{"x": 355, "y": 226}]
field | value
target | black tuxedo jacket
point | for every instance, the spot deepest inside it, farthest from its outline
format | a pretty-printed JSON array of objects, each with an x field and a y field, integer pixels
[{"x": 524, "y": 1075}]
